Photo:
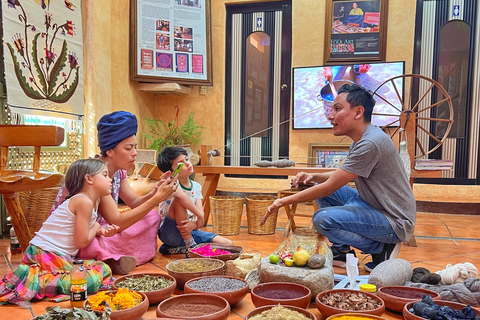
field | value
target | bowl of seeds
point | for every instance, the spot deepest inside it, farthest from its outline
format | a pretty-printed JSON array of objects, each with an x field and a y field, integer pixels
[
  {"x": 156, "y": 286},
  {"x": 280, "y": 312},
  {"x": 196, "y": 306},
  {"x": 231, "y": 288},
  {"x": 336, "y": 301},
  {"x": 187, "y": 269}
]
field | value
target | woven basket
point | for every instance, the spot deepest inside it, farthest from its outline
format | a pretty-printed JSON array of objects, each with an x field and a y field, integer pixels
[
  {"x": 226, "y": 214},
  {"x": 256, "y": 209},
  {"x": 36, "y": 205}
]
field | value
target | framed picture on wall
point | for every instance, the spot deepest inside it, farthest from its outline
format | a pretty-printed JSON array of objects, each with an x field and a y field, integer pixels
[
  {"x": 355, "y": 30},
  {"x": 178, "y": 29}
]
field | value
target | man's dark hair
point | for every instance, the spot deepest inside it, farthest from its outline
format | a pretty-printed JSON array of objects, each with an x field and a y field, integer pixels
[
  {"x": 359, "y": 96},
  {"x": 167, "y": 155}
]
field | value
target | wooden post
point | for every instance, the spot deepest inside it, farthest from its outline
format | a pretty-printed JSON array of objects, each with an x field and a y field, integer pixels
[{"x": 205, "y": 158}]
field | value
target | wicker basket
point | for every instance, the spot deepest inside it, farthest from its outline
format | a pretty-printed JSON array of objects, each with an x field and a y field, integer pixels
[
  {"x": 226, "y": 214},
  {"x": 256, "y": 209},
  {"x": 36, "y": 205}
]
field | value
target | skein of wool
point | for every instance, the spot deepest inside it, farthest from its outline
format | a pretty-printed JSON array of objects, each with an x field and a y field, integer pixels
[
  {"x": 283, "y": 163},
  {"x": 467, "y": 292},
  {"x": 457, "y": 273}
]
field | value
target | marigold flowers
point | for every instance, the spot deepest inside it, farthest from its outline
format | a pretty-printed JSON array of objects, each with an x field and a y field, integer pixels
[{"x": 121, "y": 300}]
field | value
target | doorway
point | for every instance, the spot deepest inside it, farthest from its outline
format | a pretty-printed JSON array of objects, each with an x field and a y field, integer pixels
[{"x": 257, "y": 82}]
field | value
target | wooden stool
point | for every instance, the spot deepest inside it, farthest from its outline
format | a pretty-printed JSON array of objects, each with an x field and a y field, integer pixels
[
  {"x": 290, "y": 210},
  {"x": 12, "y": 181}
]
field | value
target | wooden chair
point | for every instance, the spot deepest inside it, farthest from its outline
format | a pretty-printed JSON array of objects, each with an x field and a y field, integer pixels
[{"x": 12, "y": 181}]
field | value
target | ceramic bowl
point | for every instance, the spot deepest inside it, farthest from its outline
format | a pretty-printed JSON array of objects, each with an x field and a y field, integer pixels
[
  {"x": 182, "y": 277},
  {"x": 233, "y": 297},
  {"x": 328, "y": 311},
  {"x": 154, "y": 296},
  {"x": 132, "y": 313},
  {"x": 396, "y": 301},
  {"x": 261, "y": 309},
  {"x": 236, "y": 251},
  {"x": 270, "y": 293},
  {"x": 354, "y": 316},
  {"x": 454, "y": 305},
  {"x": 206, "y": 300}
]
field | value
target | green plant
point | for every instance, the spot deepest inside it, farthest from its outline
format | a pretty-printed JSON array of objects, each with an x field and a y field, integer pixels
[{"x": 165, "y": 134}]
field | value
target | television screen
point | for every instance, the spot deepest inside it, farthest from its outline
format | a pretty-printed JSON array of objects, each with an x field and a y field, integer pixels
[{"x": 312, "y": 91}]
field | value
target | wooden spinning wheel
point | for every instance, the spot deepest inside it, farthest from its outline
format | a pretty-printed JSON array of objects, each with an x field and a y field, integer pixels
[{"x": 433, "y": 121}]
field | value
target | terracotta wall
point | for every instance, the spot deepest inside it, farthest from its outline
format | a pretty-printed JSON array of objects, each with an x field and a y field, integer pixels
[{"x": 113, "y": 90}]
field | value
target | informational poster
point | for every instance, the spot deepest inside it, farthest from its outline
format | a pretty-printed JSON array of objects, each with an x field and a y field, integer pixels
[{"x": 171, "y": 41}]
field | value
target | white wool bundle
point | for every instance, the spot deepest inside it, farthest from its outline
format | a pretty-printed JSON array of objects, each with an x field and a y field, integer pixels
[{"x": 457, "y": 273}]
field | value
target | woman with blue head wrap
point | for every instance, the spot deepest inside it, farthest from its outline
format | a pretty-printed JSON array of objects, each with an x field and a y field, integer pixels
[{"x": 136, "y": 241}]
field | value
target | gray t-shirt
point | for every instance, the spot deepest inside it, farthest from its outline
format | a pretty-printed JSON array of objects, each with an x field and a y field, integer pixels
[{"x": 382, "y": 181}]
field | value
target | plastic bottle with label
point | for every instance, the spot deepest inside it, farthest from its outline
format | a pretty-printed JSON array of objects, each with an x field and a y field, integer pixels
[
  {"x": 14, "y": 243},
  {"x": 78, "y": 284}
]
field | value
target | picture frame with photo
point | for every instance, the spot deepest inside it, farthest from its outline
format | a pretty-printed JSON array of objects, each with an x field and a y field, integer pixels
[{"x": 355, "y": 30}]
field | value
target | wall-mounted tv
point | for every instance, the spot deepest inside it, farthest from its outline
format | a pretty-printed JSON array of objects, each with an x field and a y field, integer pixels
[{"x": 312, "y": 91}]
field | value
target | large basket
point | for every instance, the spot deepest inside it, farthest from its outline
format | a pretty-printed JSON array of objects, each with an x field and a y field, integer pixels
[
  {"x": 36, "y": 205},
  {"x": 226, "y": 214},
  {"x": 256, "y": 209}
]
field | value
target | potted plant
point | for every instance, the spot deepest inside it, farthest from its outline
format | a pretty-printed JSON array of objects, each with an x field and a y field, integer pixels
[{"x": 165, "y": 134}]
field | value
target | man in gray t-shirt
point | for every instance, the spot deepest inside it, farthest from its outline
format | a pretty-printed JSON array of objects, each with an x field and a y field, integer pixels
[{"x": 380, "y": 214}]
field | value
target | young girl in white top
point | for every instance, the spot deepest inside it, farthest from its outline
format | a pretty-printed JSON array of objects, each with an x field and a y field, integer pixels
[{"x": 44, "y": 270}]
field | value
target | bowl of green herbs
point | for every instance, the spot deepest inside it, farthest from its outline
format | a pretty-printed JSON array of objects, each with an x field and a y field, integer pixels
[{"x": 156, "y": 286}]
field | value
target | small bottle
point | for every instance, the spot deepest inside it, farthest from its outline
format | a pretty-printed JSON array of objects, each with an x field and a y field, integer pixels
[
  {"x": 14, "y": 244},
  {"x": 367, "y": 287},
  {"x": 78, "y": 284}
]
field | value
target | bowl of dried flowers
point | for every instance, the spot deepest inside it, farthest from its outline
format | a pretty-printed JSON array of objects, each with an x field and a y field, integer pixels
[
  {"x": 125, "y": 304},
  {"x": 156, "y": 286},
  {"x": 187, "y": 269},
  {"x": 335, "y": 301}
]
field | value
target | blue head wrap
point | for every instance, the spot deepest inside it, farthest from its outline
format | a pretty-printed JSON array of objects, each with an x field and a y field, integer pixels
[{"x": 113, "y": 128}]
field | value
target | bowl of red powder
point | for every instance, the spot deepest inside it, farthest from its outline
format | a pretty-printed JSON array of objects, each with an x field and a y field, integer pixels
[
  {"x": 194, "y": 306},
  {"x": 284, "y": 293},
  {"x": 216, "y": 251},
  {"x": 396, "y": 297}
]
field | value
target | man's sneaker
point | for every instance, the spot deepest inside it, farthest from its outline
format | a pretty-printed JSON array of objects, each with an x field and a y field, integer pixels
[
  {"x": 390, "y": 251},
  {"x": 340, "y": 257},
  {"x": 165, "y": 250}
]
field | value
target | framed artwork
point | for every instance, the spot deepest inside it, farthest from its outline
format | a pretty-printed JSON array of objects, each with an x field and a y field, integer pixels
[
  {"x": 174, "y": 36},
  {"x": 355, "y": 30}
]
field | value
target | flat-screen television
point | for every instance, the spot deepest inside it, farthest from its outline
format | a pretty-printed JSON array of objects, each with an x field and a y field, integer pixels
[{"x": 312, "y": 91}]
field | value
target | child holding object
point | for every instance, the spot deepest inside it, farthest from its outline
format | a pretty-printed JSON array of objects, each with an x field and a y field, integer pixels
[
  {"x": 45, "y": 268},
  {"x": 182, "y": 219}
]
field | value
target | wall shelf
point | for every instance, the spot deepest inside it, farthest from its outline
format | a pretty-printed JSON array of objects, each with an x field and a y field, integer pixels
[{"x": 165, "y": 88}]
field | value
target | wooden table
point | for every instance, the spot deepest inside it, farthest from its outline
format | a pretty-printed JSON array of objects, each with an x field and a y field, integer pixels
[{"x": 212, "y": 176}]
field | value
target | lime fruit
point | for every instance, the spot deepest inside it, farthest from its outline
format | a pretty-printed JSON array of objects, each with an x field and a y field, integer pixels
[
  {"x": 273, "y": 258},
  {"x": 288, "y": 262}
]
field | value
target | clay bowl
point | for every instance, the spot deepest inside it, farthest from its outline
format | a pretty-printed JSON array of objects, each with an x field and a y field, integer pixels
[
  {"x": 353, "y": 316},
  {"x": 154, "y": 296},
  {"x": 133, "y": 313},
  {"x": 182, "y": 277},
  {"x": 396, "y": 302},
  {"x": 206, "y": 300},
  {"x": 233, "y": 297},
  {"x": 454, "y": 305},
  {"x": 269, "y": 293},
  {"x": 236, "y": 251},
  {"x": 328, "y": 311},
  {"x": 261, "y": 309}
]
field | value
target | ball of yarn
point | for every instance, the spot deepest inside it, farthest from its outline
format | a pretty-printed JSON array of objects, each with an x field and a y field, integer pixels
[
  {"x": 457, "y": 273},
  {"x": 418, "y": 273},
  {"x": 431, "y": 278}
]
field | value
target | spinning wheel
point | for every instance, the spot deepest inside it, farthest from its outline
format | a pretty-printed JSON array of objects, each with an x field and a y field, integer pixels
[{"x": 433, "y": 121}]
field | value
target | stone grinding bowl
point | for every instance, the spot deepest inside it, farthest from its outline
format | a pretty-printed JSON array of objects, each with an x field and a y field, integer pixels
[
  {"x": 259, "y": 300},
  {"x": 353, "y": 316},
  {"x": 233, "y": 297},
  {"x": 454, "y": 305},
  {"x": 261, "y": 309},
  {"x": 328, "y": 311},
  {"x": 396, "y": 302},
  {"x": 154, "y": 296},
  {"x": 133, "y": 313},
  {"x": 182, "y": 277},
  {"x": 195, "y": 298},
  {"x": 236, "y": 251}
]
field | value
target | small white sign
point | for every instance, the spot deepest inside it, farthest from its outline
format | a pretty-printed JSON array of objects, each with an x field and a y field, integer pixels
[
  {"x": 259, "y": 22},
  {"x": 456, "y": 10}
]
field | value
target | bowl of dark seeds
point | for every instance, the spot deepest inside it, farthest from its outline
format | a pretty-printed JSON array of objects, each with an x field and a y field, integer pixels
[
  {"x": 231, "y": 288},
  {"x": 156, "y": 286}
]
